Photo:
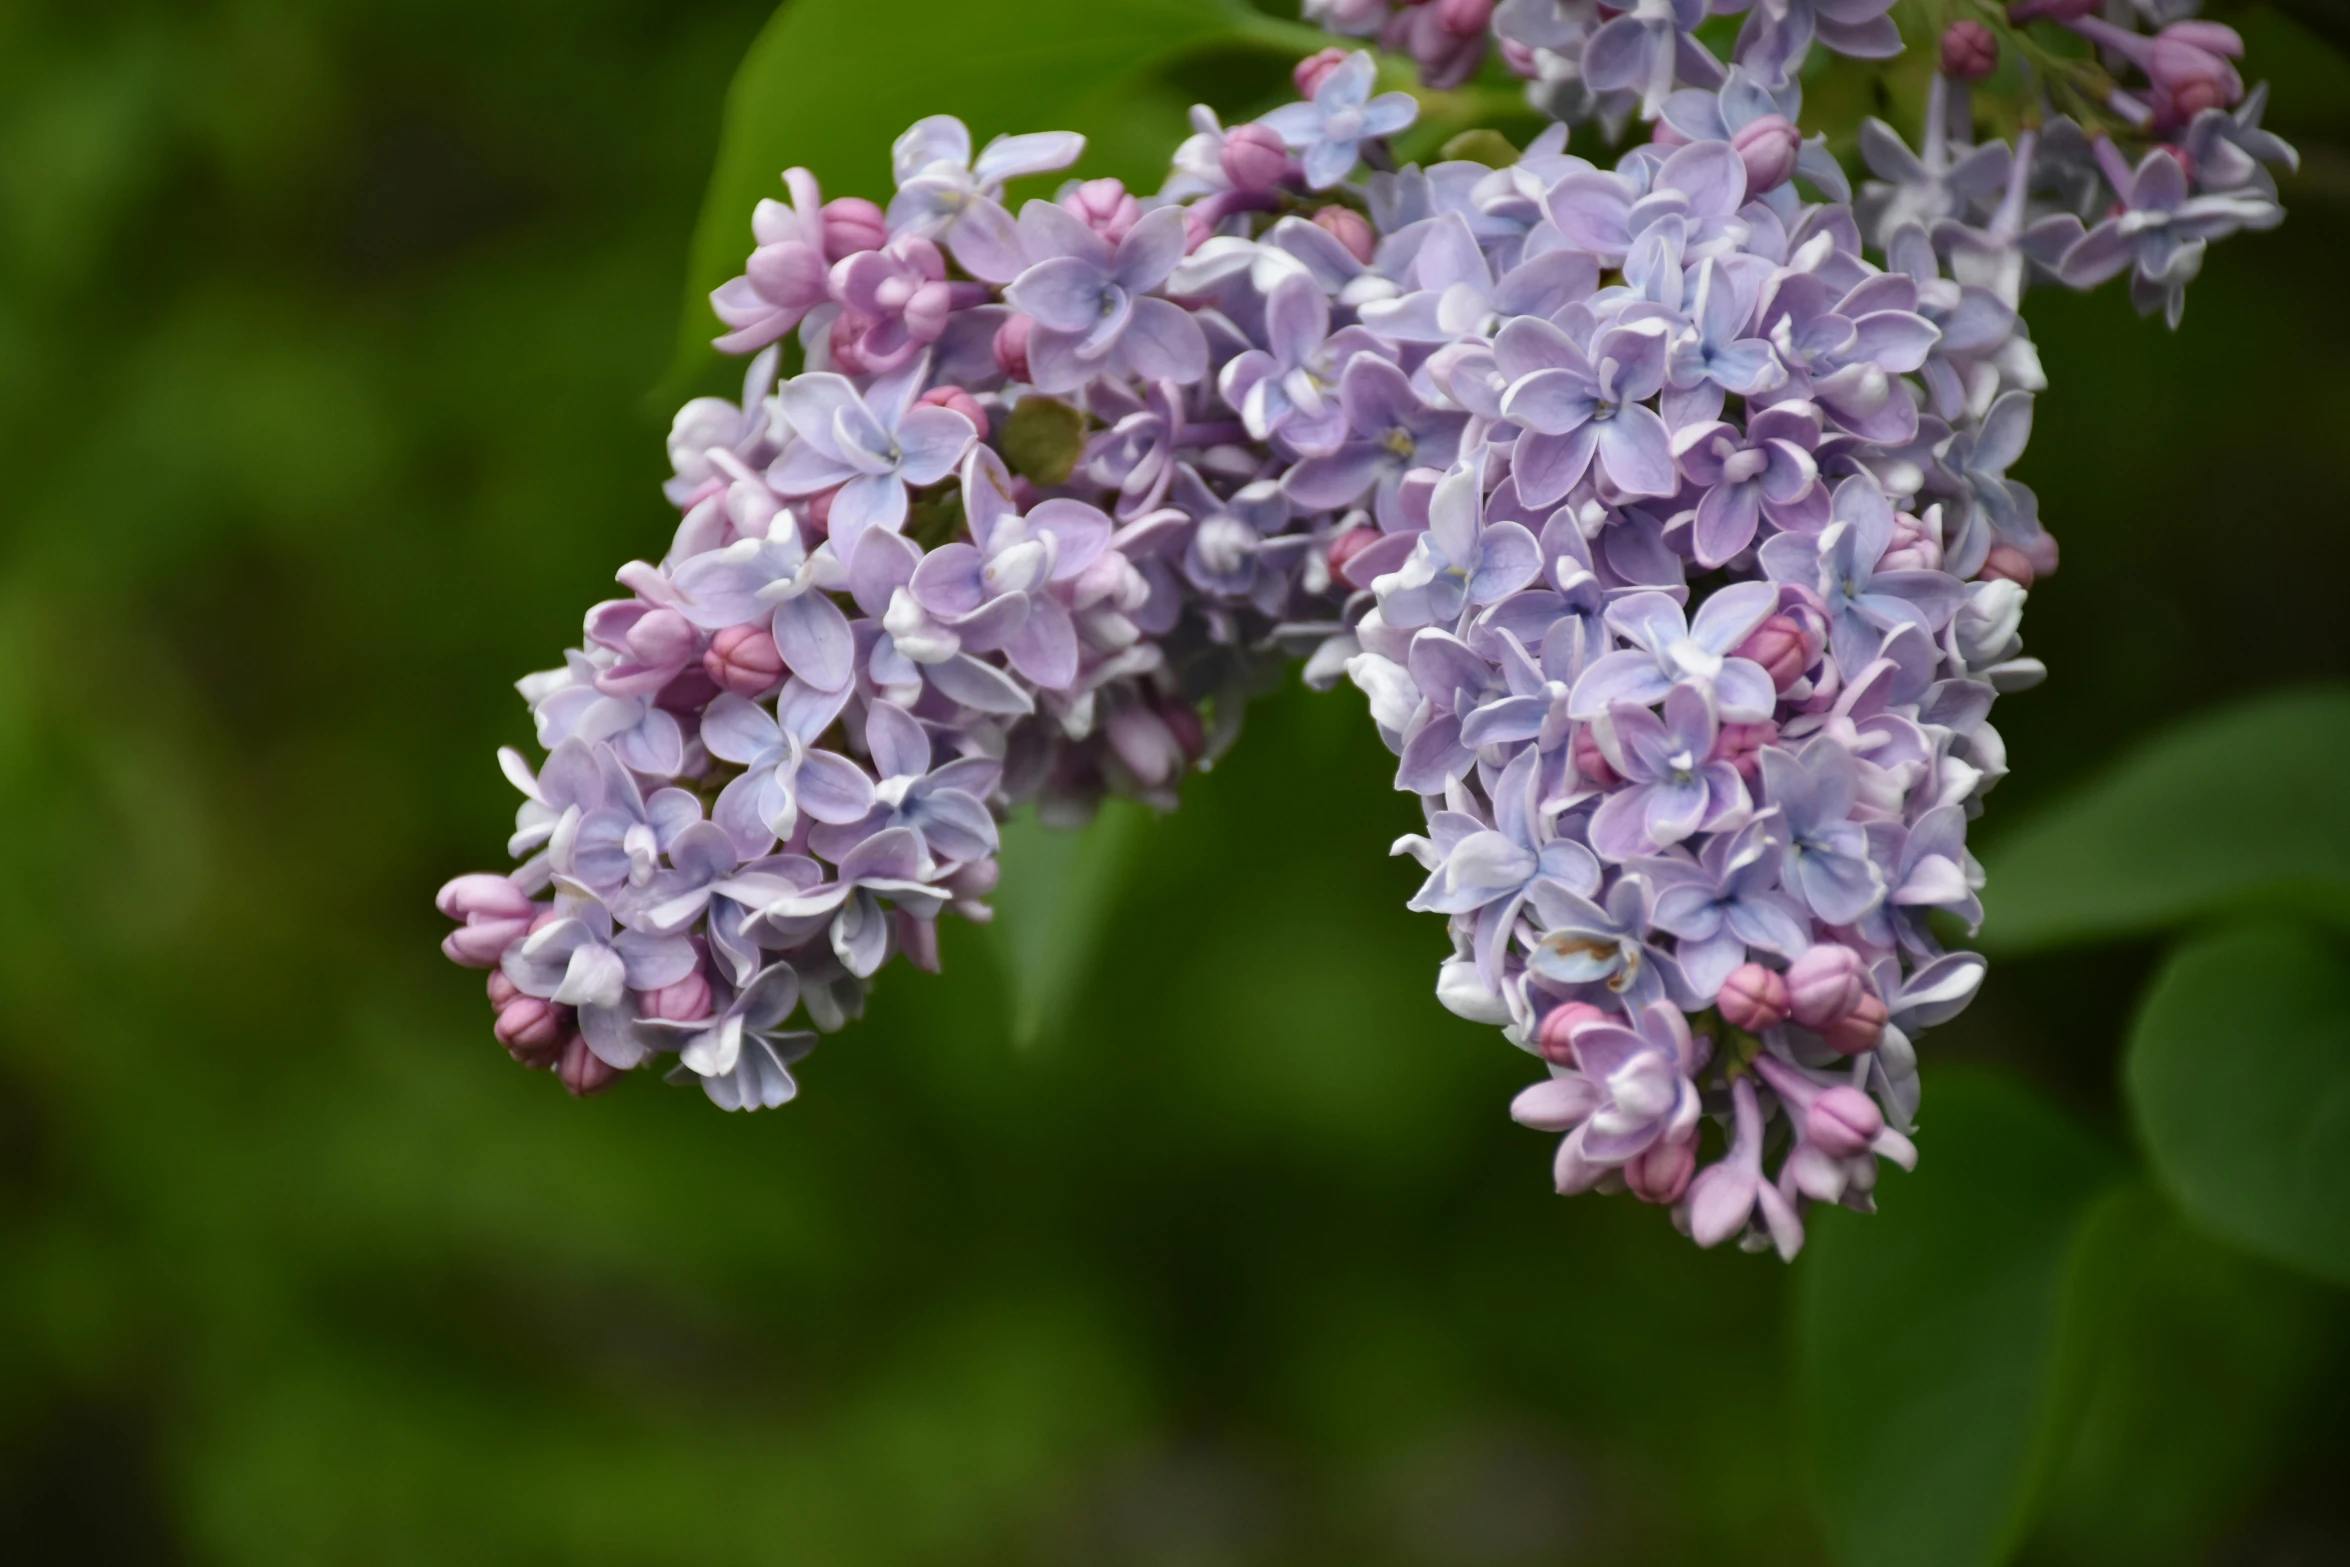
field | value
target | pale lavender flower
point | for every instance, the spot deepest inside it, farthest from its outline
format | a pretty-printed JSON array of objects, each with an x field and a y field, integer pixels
[
  {"x": 1673, "y": 788},
  {"x": 1827, "y": 863},
  {"x": 1726, "y": 901},
  {"x": 576, "y": 960},
  {"x": 1092, "y": 305},
  {"x": 738, "y": 1054},
  {"x": 1766, "y": 470},
  {"x": 1288, "y": 389},
  {"x": 1647, "y": 49},
  {"x": 2160, "y": 234},
  {"x": 1461, "y": 561},
  {"x": 1724, "y": 1196},
  {"x": 1392, "y": 431},
  {"x": 945, "y": 807},
  {"x": 1842, "y": 564},
  {"x": 1489, "y": 873},
  {"x": 1630, "y": 1088},
  {"x": 784, "y": 771},
  {"x": 1329, "y": 131},
  {"x": 785, "y": 277},
  {"x": 1668, "y": 648},
  {"x": 868, "y": 447},
  {"x": 1585, "y": 944},
  {"x": 1579, "y": 408}
]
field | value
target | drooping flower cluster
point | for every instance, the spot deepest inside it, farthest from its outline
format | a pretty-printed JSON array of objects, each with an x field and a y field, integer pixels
[{"x": 1668, "y": 532}]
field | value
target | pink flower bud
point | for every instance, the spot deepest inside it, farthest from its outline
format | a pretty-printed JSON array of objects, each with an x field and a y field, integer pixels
[
  {"x": 1741, "y": 745},
  {"x": 686, "y": 1001},
  {"x": 959, "y": 400},
  {"x": 582, "y": 1071},
  {"x": 482, "y": 893},
  {"x": 1555, "y": 1039},
  {"x": 1254, "y": 157},
  {"x": 976, "y": 879},
  {"x": 2189, "y": 61},
  {"x": 848, "y": 337},
  {"x": 1350, "y": 544},
  {"x": 744, "y": 660},
  {"x": 819, "y": 511},
  {"x": 1858, "y": 1029},
  {"x": 2007, "y": 563},
  {"x": 1767, "y": 146},
  {"x": 1464, "y": 18},
  {"x": 852, "y": 224},
  {"x": 1969, "y": 51},
  {"x": 532, "y": 1030},
  {"x": 1011, "y": 347},
  {"x": 1753, "y": 998},
  {"x": 502, "y": 989},
  {"x": 1912, "y": 548},
  {"x": 1522, "y": 61},
  {"x": 1783, "y": 648},
  {"x": 1590, "y": 760},
  {"x": 1660, "y": 1172},
  {"x": 1104, "y": 206},
  {"x": 1824, "y": 984},
  {"x": 1314, "y": 67},
  {"x": 1350, "y": 228},
  {"x": 1842, "y": 1123}
]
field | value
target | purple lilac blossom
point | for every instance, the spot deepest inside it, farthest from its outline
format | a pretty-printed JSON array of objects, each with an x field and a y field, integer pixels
[{"x": 1668, "y": 529}]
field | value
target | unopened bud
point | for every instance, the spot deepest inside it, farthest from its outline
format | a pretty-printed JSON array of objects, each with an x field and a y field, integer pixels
[
  {"x": 1824, "y": 984},
  {"x": 1782, "y": 647},
  {"x": 1310, "y": 70},
  {"x": 1660, "y": 1172},
  {"x": 847, "y": 343},
  {"x": 1842, "y": 1122},
  {"x": 1182, "y": 721},
  {"x": 853, "y": 224},
  {"x": 583, "y": 1071},
  {"x": 687, "y": 1001},
  {"x": 1350, "y": 228},
  {"x": 502, "y": 989},
  {"x": 1350, "y": 544},
  {"x": 1254, "y": 157},
  {"x": 1104, "y": 206},
  {"x": 1858, "y": 1029},
  {"x": 744, "y": 660},
  {"x": 1767, "y": 146},
  {"x": 1753, "y": 998},
  {"x": 1555, "y": 1039},
  {"x": 1969, "y": 51},
  {"x": 1590, "y": 761},
  {"x": 531, "y": 1029},
  {"x": 1464, "y": 18},
  {"x": 1741, "y": 745},
  {"x": 976, "y": 879},
  {"x": 2006, "y": 563},
  {"x": 1143, "y": 743},
  {"x": 960, "y": 401},
  {"x": 484, "y": 894},
  {"x": 1011, "y": 346}
]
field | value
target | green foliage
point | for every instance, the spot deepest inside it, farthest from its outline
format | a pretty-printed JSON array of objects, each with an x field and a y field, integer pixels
[
  {"x": 1060, "y": 886},
  {"x": 2229, "y": 811},
  {"x": 2239, "y": 1077},
  {"x": 1043, "y": 439},
  {"x": 1933, "y": 1338}
]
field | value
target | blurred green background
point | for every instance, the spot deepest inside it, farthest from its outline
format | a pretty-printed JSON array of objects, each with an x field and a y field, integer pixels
[{"x": 326, "y": 334}]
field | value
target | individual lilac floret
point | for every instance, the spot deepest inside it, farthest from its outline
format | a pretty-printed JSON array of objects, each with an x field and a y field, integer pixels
[
  {"x": 1489, "y": 873},
  {"x": 1580, "y": 408},
  {"x": 785, "y": 277},
  {"x": 1391, "y": 430},
  {"x": 1461, "y": 561},
  {"x": 1842, "y": 565},
  {"x": 1668, "y": 649},
  {"x": 939, "y": 185},
  {"x": 1726, "y": 901},
  {"x": 1779, "y": 33},
  {"x": 901, "y": 295},
  {"x": 1091, "y": 303},
  {"x": 1673, "y": 787},
  {"x": 2160, "y": 234},
  {"x": 1827, "y": 862},
  {"x": 738, "y": 1054},
  {"x": 1629, "y": 1091},
  {"x": 1724, "y": 1197},
  {"x": 784, "y": 771},
  {"x": 867, "y": 447},
  {"x": 1289, "y": 389},
  {"x": 1329, "y": 131},
  {"x": 1648, "y": 49},
  {"x": 1765, "y": 470}
]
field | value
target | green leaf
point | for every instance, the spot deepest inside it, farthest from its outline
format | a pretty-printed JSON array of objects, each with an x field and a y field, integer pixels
[
  {"x": 1933, "y": 1340},
  {"x": 1055, "y": 897},
  {"x": 2230, "y": 811},
  {"x": 2204, "y": 1368},
  {"x": 2239, "y": 1076},
  {"x": 830, "y": 84}
]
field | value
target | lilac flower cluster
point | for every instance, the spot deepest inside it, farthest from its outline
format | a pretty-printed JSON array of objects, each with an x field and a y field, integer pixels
[{"x": 1668, "y": 532}]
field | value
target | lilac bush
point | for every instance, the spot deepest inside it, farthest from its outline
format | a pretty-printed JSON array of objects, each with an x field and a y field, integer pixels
[{"x": 1661, "y": 511}]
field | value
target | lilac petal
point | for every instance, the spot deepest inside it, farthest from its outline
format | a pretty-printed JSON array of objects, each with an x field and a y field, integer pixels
[
  {"x": 814, "y": 638},
  {"x": 1556, "y": 1104},
  {"x": 834, "y": 789},
  {"x": 1546, "y": 467},
  {"x": 1619, "y": 828},
  {"x": 1064, "y": 294},
  {"x": 879, "y": 565},
  {"x": 1626, "y": 676},
  {"x": 1637, "y": 451},
  {"x": 1079, "y": 533},
  {"x": 1044, "y": 648},
  {"x": 987, "y": 242},
  {"x": 897, "y": 742},
  {"x": 1163, "y": 342},
  {"x": 1509, "y": 559},
  {"x": 893, "y": 854},
  {"x": 1150, "y": 250},
  {"x": 965, "y": 679},
  {"x": 736, "y": 729},
  {"x": 874, "y": 500},
  {"x": 1340, "y": 479},
  {"x": 1551, "y": 402}
]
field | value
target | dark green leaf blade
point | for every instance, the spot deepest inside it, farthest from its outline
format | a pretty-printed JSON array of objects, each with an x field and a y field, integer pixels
[
  {"x": 2237, "y": 809},
  {"x": 830, "y": 84},
  {"x": 1932, "y": 1339},
  {"x": 2239, "y": 1077}
]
